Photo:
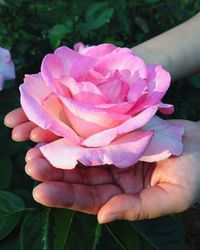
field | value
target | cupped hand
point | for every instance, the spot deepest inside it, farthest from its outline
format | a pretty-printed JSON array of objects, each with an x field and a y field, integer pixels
[
  {"x": 140, "y": 192},
  {"x": 23, "y": 129}
]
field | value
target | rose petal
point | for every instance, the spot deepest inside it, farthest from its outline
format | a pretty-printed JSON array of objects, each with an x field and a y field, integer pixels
[
  {"x": 121, "y": 108},
  {"x": 167, "y": 140},
  {"x": 85, "y": 92},
  {"x": 58, "y": 65},
  {"x": 7, "y": 68},
  {"x": 1, "y": 82},
  {"x": 99, "y": 51},
  {"x": 86, "y": 119},
  {"x": 105, "y": 137},
  {"x": 158, "y": 82},
  {"x": 114, "y": 89},
  {"x": 80, "y": 68},
  {"x": 121, "y": 59},
  {"x": 68, "y": 57},
  {"x": 79, "y": 46},
  {"x": 166, "y": 108},
  {"x": 137, "y": 87},
  {"x": 122, "y": 153},
  {"x": 51, "y": 69},
  {"x": 46, "y": 113}
]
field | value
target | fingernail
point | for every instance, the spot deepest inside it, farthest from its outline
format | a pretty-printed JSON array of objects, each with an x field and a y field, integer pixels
[
  {"x": 27, "y": 170},
  {"x": 105, "y": 218},
  {"x": 35, "y": 194}
]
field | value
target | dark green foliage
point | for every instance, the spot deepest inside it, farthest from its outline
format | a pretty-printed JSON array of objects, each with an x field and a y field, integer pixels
[{"x": 31, "y": 29}]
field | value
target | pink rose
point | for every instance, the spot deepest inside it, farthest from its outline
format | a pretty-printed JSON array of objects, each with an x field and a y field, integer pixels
[
  {"x": 7, "y": 69},
  {"x": 101, "y": 101}
]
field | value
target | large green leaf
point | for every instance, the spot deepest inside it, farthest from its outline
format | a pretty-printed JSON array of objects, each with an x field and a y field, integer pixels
[
  {"x": 34, "y": 230},
  {"x": 82, "y": 234},
  {"x": 163, "y": 232},
  {"x": 62, "y": 219},
  {"x": 11, "y": 209},
  {"x": 10, "y": 244},
  {"x": 126, "y": 235}
]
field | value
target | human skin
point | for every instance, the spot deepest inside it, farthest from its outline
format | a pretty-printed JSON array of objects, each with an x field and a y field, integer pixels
[
  {"x": 177, "y": 50},
  {"x": 139, "y": 192}
]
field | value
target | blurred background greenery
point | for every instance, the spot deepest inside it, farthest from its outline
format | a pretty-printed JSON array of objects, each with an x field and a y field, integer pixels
[{"x": 31, "y": 29}]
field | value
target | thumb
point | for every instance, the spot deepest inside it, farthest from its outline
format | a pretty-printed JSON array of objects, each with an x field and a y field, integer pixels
[{"x": 152, "y": 202}]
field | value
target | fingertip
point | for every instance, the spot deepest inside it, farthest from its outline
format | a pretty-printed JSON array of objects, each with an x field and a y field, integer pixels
[
  {"x": 22, "y": 131},
  {"x": 17, "y": 136},
  {"x": 34, "y": 135},
  {"x": 15, "y": 118},
  {"x": 36, "y": 194},
  {"x": 32, "y": 154},
  {"x": 107, "y": 218},
  {"x": 7, "y": 122},
  {"x": 28, "y": 170},
  {"x": 42, "y": 135}
]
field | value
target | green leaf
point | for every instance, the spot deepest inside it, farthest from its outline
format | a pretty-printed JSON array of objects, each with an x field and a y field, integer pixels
[
  {"x": 34, "y": 230},
  {"x": 82, "y": 232},
  {"x": 96, "y": 16},
  {"x": 152, "y": 1},
  {"x": 62, "y": 219},
  {"x": 6, "y": 170},
  {"x": 98, "y": 232},
  {"x": 124, "y": 21},
  {"x": 163, "y": 232},
  {"x": 94, "y": 9},
  {"x": 11, "y": 209},
  {"x": 126, "y": 235},
  {"x": 10, "y": 244},
  {"x": 142, "y": 24},
  {"x": 58, "y": 32}
]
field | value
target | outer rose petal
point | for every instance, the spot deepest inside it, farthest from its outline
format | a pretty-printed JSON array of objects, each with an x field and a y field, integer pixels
[
  {"x": 167, "y": 140},
  {"x": 166, "y": 108},
  {"x": 1, "y": 82},
  {"x": 59, "y": 64},
  {"x": 158, "y": 83},
  {"x": 47, "y": 114},
  {"x": 7, "y": 68},
  {"x": 122, "y": 153},
  {"x": 99, "y": 51},
  {"x": 105, "y": 137},
  {"x": 121, "y": 59},
  {"x": 136, "y": 88}
]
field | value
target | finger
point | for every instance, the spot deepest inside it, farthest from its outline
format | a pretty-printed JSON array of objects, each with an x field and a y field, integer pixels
[
  {"x": 15, "y": 117},
  {"x": 41, "y": 170},
  {"x": 152, "y": 202},
  {"x": 33, "y": 153},
  {"x": 78, "y": 197},
  {"x": 22, "y": 132},
  {"x": 42, "y": 135}
]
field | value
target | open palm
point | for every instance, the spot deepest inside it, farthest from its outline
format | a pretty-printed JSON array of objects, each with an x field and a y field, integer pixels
[{"x": 139, "y": 192}]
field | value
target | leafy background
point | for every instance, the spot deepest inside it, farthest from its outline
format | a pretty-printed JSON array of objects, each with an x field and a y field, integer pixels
[{"x": 31, "y": 29}]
